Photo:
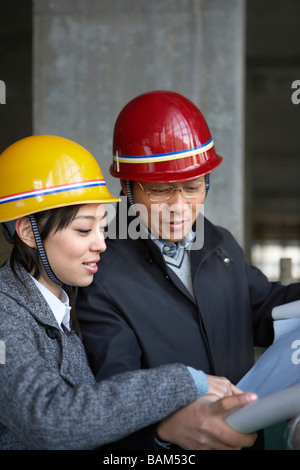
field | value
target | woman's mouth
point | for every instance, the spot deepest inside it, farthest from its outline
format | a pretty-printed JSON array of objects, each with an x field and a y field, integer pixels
[{"x": 92, "y": 267}]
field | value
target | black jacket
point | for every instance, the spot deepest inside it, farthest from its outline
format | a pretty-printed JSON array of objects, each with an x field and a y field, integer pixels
[{"x": 138, "y": 314}]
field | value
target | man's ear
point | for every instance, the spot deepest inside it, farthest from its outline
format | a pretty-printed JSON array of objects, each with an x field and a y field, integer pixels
[
  {"x": 124, "y": 187},
  {"x": 24, "y": 231}
]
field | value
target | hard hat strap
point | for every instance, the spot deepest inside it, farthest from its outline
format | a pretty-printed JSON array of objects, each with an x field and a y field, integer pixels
[
  {"x": 207, "y": 183},
  {"x": 42, "y": 252},
  {"x": 130, "y": 194}
]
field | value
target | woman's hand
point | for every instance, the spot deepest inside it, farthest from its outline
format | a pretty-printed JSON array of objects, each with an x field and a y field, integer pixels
[{"x": 221, "y": 387}]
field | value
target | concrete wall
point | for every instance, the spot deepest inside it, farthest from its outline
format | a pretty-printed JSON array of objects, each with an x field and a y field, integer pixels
[
  {"x": 15, "y": 70},
  {"x": 91, "y": 57}
]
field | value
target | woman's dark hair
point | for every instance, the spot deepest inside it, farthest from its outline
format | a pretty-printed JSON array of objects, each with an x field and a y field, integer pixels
[{"x": 47, "y": 221}]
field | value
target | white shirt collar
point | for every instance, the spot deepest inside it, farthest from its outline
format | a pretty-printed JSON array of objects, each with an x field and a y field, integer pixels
[{"x": 59, "y": 306}]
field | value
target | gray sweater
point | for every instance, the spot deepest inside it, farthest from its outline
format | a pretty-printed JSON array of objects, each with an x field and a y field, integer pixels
[{"x": 48, "y": 396}]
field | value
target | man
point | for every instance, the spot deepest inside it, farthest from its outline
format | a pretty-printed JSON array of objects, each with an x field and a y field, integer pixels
[{"x": 184, "y": 291}]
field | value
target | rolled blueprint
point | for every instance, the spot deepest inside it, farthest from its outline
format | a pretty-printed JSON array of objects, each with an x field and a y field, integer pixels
[
  {"x": 279, "y": 367},
  {"x": 264, "y": 412},
  {"x": 290, "y": 310}
]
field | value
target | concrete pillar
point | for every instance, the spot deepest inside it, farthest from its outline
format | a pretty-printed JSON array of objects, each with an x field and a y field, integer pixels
[{"x": 91, "y": 57}]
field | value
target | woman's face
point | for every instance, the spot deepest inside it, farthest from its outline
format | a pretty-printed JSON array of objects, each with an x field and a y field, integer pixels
[{"x": 73, "y": 252}]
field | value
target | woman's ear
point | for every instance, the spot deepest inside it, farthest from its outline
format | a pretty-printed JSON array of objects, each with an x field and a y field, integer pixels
[{"x": 24, "y": 231}]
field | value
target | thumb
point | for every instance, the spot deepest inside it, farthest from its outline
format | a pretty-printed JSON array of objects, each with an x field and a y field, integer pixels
[{"x": 226, "y": 404}]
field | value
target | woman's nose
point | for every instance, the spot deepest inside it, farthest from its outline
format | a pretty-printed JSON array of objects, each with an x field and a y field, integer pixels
[{"x": 98, "y": 244}]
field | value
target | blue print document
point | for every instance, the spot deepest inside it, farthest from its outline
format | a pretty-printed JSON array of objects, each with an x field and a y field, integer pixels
[
  {"x": 275, "y": 377},
  {"x": 279, "y": 367},
  {"x": 272, "y": 409}
]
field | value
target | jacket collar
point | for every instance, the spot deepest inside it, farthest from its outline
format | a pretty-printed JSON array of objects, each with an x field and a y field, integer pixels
[
  {"x": 212, "y": 238},
  {"x": 27, "y": 294}
]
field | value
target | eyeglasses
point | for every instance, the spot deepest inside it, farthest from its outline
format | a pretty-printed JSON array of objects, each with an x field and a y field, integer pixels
[{"x": 164, "y": 192}]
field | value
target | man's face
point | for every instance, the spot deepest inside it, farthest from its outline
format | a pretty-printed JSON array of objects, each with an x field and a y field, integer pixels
[{"x": 171, "y": 219}]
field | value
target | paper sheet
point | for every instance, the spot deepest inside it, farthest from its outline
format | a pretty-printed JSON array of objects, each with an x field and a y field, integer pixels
[
  {"x": 267, "y": 411},
  {"x": 275, "y": 377},
  {"x": 279, "y": 367}
]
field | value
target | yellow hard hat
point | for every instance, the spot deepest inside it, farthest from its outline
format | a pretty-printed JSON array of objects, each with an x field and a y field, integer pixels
[{"x": 45, "y": 172}]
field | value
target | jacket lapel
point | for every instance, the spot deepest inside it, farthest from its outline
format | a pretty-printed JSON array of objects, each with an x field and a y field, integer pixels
[
  {"x": 212, "y": 239},
  {"x": 25, "y": 290}
]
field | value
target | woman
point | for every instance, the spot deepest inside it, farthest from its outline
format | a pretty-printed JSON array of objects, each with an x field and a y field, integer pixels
[{"x": 52, "y": 208}]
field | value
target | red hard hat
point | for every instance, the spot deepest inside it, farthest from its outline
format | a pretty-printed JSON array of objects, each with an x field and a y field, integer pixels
[{"x": 161, "y": 136}]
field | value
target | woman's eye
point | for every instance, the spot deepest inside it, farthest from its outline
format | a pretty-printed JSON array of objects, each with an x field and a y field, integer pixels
[{"x": 83, "y": 231}]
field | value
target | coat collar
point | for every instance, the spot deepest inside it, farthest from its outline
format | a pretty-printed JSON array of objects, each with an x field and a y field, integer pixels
[
  {"x": 212, "y": 238},
  {"x": 24, "y": 290},
  {"x": 151, "y": 252}
]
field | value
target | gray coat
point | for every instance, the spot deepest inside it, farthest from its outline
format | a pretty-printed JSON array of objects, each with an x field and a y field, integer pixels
[{"x": 48, "y": 395}]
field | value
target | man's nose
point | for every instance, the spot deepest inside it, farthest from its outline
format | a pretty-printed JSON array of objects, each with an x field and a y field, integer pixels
[{"x": 178, "y": 199}]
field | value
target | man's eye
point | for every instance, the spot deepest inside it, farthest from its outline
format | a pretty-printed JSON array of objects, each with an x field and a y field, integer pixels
[
  {"x": 194, "y": 188},
  {"x": 160, "y": 190}
]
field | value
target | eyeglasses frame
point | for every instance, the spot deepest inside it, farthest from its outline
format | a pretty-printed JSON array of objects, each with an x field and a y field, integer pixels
[{"x": 207, "y": 187}]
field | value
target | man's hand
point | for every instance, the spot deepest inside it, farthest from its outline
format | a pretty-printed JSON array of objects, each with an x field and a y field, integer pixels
[{"x": 201, "y": 425}]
